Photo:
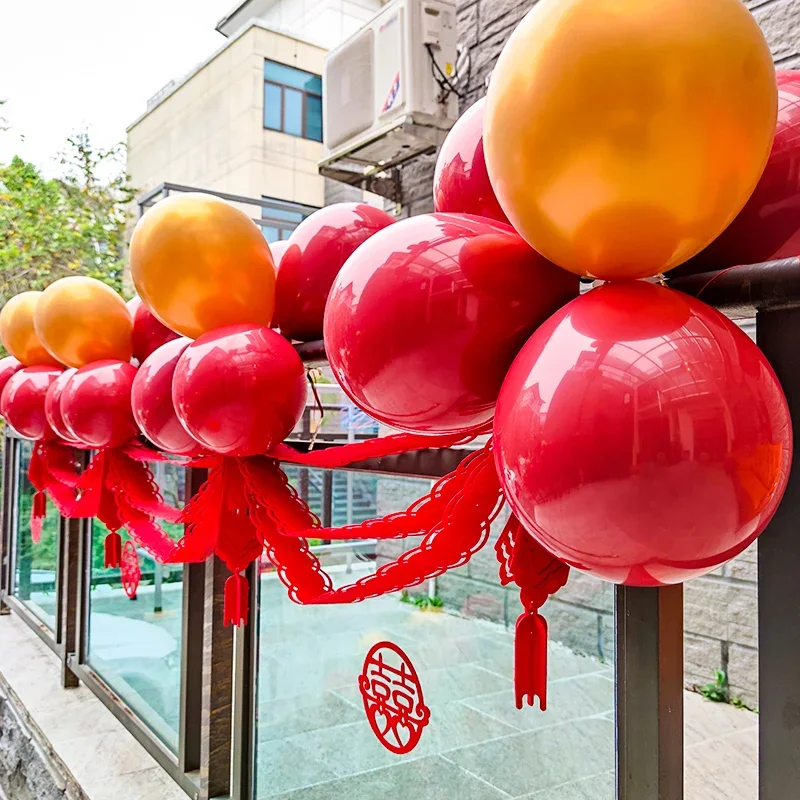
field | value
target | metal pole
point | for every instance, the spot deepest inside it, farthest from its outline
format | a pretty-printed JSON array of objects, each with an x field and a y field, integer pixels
[
  {"x": 649, "y": 689},
  {"x": 778, "y": 335},
  {"x": 158, "y": 582}
]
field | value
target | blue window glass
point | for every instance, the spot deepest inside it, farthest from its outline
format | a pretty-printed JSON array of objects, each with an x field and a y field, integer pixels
[
  {"x": 292, "y": 101},
  {"x": 279, "y": 218},
  {"x": 271, "y": 234},
  {"x": 273, "y": 101},
  {"x": 293, "y": 112},
  {"x": 314, "y": 117}
]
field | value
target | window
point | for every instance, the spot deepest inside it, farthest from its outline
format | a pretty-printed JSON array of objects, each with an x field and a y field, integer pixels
[
  {"x": 280, "y": 218},
  {"x": 292, "y": 101}
]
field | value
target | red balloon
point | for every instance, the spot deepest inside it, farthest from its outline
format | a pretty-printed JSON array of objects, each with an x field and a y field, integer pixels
[
  {"x": 8, "y": 366},
  {"x": 768, "y": 227},
  {"x": 642, "y": 459},
  {"x": 149, "y": 333},
  {"x": 151, "y": 400},
  {"x": 461, "y": 181},
  {"x": 22, "y": 401},
  {"x": 52, "y": 405},
  {"x": 315, "y": 252},
  {"x": 96, "y": 404},
  {"x": 239, "y": 390},
  {"x": 278, "y": 249},
  {"x": 425, "y": 319}
]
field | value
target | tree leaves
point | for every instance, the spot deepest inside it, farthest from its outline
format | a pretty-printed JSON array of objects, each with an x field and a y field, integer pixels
[{"x": 74, "y": 225}]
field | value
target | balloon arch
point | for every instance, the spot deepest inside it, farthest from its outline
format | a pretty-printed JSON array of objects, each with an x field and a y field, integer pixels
[{"x": 636, "y": 433}]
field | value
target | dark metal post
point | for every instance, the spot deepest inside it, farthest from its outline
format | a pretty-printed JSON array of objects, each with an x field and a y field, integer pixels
[
  {"x": 189, "y": 739},
  {"x": 649, "y": 688},
  {"x": 245, "y": 695},
  {"x": 215, "y": 744},
  {"x": 69, "y": 547},
  {"x": 778, "y": 335},
  {"x": 8, "y": 517}
]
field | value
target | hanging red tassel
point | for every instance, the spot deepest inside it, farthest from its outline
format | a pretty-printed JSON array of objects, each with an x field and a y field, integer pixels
[
  {"x": 113, "y": 550},
  {"x": 38, "y": 513},
  {"x": 538, "y": 574},
  {"x": 237, "y": 600}
]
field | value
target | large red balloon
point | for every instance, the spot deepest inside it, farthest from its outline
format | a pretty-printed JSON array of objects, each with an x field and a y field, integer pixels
[
  {"x": 768, "y": 227},
  {"x": 149, "y": 333},
  {"x": 8, "y": 366},
  {"x": 239, "y": 390},
  {"x": 643, "y": 457},
  {"x": 461, "y": 181},
  {"x": 151, "y": 400},
  {"x": 52, "y": 405},
  {"x": 22, "y": 401},
  {"x": 315, "y": 253},
  {"x": 96, "y": 404},
  {"x": 425, "y": 319}
]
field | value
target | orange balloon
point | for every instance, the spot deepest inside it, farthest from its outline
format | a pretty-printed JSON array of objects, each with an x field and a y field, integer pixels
[
  {"x": 623, "y": 136},
  {"x": 199, "y": 263},
  {"x": 81, "y": 320},
  {"x": 17, "y": 331}
]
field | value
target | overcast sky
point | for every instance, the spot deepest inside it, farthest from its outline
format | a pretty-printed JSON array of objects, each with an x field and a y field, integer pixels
[{"x": 66, "y": 64}]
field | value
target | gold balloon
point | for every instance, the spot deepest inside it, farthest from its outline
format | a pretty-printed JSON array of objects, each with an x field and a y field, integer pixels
[
  {"x": 199, "y": 263},
  {"x": 17, "y": 331},
  {"x": 623, "y": 136},
  {"x": 81, "y": 320}
]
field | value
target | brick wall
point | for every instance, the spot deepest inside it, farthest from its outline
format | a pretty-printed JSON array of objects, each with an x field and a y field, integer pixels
[{"x": 721, "y": 608}]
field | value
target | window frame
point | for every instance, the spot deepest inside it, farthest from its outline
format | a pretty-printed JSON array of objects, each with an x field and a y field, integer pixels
[
  {"x": 279, "y": 224},
  {"x": 305, "y": 93}
]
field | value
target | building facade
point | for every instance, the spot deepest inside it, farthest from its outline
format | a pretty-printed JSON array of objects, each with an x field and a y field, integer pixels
[{"x": 248, "y": 120}]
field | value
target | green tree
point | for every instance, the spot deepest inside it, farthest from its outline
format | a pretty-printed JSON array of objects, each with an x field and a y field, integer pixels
[{"x": 71, "y": 225}]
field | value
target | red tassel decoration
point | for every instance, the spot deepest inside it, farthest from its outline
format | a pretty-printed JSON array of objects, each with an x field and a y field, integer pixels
[
  {"x": 237, "y": 600},
  {"x": 538, "y": 574},
  {"x": 530, "y": 659},
  {"x": 113, "y": 550},
  {"x": 38, "y": 513}
]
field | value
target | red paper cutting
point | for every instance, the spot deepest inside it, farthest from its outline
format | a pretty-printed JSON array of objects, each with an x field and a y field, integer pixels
[
  {"x": 392, "y": 695},
  {"x": 130, "y": 571}
]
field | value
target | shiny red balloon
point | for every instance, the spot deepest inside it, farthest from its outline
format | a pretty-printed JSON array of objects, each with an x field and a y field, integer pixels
[
  {"x": 768, "y": 227},
  {"x": 22, "y": 401},
  {"x": 461, "y": 181},
  {"x": 52, "y": 405},
  {"x": 96, "y": 404},
  {"x": 316, "y": 251},
  {"x": 8, "y": 366},
  {"x": 642, "y": 457},
  {"x": 278, "y": 249},
  {"x": 151, "y": 400},
  {"x": 149, "y": 333},
  {"x": 425, "y": 319},
  {"x": 239, "y": 390}
]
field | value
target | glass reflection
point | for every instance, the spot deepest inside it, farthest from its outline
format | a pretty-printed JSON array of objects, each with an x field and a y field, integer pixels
[
  {"x": 135, "y": 645},
  {"x": 313, "y": 738},
  {"x": 35, "y": 563}
]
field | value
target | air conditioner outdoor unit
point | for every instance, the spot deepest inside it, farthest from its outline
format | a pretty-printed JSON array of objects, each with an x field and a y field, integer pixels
[{"x": 389, "y": 91}]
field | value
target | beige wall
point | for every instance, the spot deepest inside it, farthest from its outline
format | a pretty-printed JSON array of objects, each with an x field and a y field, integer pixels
[{"x": 209, "y": 132}]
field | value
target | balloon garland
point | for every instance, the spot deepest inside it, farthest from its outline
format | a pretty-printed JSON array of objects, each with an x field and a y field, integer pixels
[{"x": 636, "y": 433}]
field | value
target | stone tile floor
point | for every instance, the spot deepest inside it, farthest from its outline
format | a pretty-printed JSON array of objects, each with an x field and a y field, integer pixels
[{"x": 313, "y": 739}]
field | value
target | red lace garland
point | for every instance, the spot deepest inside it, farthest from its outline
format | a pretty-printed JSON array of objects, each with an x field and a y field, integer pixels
[
  {"x": 117, "y": 487},
  {"x": 247, "y": 505}
]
